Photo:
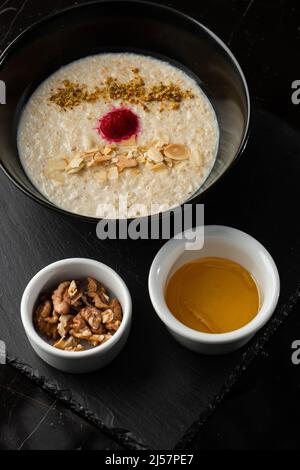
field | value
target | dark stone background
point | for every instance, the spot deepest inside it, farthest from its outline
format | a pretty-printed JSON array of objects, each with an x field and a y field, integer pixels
[{"x": 262, "y": 409}]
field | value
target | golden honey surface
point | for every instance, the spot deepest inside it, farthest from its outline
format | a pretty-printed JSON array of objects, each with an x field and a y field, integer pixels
[{"x": 213, "y": 295}]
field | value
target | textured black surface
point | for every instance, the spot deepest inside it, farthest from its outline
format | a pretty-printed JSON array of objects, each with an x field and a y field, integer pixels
[
  {"x": 258, "y": 197},
  {"x": 31, "y": 419},
  {"x": 262, "y": 410}
]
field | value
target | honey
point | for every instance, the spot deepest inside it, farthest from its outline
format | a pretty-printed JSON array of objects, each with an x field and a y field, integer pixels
[{"x": 213, "y": 295}]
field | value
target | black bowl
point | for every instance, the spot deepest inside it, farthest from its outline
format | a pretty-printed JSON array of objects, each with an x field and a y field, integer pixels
[{"x": 123, "y": 26}]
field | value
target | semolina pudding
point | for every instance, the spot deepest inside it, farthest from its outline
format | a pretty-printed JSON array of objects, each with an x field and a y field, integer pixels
[{"x": 118, "y": 126}]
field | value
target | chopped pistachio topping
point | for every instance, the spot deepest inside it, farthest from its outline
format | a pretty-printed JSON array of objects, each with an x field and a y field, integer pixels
[
  {"x": 73, "y": 94},
  {"x": 133, "y": 91}
]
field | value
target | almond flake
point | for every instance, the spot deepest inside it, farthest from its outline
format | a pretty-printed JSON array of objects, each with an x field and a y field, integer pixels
[
  {"x": 141, "y": 159},
  {"x": 90, "y": 162},
  {"x": 90, "y": 152},
  {"x": 159, "y": 167},
  {"x": 124, "y": 162},
  {"x": 160, "y": 144},
  {"x": 177, "y": 152},
  {"x": 155, "y": 155},
  {"x": 75, "y": 165},
  {"x": 169, "y": 162},
  {"x": 101, "y": 158},
  {"x": 107, "y": 150},
  {"x": 76, "y": 170},
  {"x": 132, "y": 153}
]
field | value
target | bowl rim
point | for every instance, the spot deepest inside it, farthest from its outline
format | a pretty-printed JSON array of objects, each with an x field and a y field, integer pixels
[
  {"x": 9, "y": 49},
  {"x": 158, "y": 299},
  {"x": 27, "y": 317}
]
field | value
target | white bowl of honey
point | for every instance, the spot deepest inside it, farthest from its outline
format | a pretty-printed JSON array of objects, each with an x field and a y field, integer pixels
[{"x": 213, "y": 300}]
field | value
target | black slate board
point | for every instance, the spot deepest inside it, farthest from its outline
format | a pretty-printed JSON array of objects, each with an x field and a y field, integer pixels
[{"x": 155, "y": 390}]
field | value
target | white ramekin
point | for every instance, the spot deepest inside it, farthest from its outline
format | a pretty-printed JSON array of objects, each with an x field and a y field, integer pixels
[
  {"x": 49, "y": 277},
  {"x": 222, "y": 242}
]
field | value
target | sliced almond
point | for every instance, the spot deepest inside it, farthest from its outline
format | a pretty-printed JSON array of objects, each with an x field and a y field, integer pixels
[
  {"x": 107, "y": 150},
  {"x": 97, "y": 159},
  {"x": 90, "y": 162},
  {"x": 88, "y": 159},
  {"x": 72, "y": 171},
  {"x": 124, "y": 162},
  {"x": 176, "y": 152},
  {"x": 100, "y": 176},
  {"x": 159, "y": 167},
  {"x": 155, "y": 155},
  {"x": 161, "y": 143},
  {"x": 133, "y": 153},
  {"x": 113, "y": 173},
  {"x": 75, "y": 165},
  {"x": 141, "y": 159},
  {"x": 169, "y": 162},
  {"x": 90, "y": 152},
  {"x": 101, "y": 158}
]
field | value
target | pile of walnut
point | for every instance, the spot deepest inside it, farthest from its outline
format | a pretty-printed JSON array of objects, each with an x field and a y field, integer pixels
[{"x": 78, "y": 315}]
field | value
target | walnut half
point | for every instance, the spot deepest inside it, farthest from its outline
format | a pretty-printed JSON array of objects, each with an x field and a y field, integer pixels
[{"x": 46, "y": 320}]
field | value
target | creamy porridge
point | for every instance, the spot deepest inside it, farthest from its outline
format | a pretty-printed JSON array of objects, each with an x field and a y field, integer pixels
[{"x": 117, "y": 126}]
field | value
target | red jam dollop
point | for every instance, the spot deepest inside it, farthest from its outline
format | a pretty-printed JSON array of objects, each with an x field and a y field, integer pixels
[{"x": 119, "y": 124}]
